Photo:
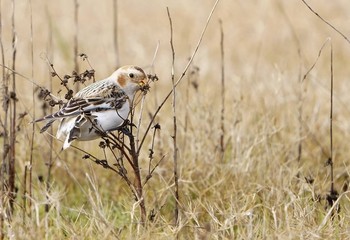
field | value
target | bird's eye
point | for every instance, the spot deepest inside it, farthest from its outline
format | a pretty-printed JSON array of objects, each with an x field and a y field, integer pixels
[{"x": 131, "y": 75}]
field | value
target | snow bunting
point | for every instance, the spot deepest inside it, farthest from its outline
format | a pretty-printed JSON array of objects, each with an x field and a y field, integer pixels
[{"x": 98, "y": 108}]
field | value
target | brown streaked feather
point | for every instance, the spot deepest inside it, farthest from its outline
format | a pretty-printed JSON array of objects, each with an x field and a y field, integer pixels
[
  {"x": 112, "y": 95},
  {"x": 94, "y": 89}
]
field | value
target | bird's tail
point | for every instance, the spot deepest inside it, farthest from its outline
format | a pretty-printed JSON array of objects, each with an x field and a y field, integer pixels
[{"x": 47, "y": 125}]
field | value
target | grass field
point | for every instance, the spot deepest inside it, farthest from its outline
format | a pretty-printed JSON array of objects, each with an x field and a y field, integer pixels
[{"x": 271, "y": 180}]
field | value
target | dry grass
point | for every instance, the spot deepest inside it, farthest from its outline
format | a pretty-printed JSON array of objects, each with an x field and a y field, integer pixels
[{"x": 258, "y": 190}]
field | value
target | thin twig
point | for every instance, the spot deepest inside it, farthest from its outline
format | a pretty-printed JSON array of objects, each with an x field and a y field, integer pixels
[
  {"x": 123, "y": 174},
  {"x": 54, "y": 70},
  {"x": 152, "y": 170},
  {"x": 151, "y": 150},
  {"x": 29, "y": 80},
  {"x": 326, "y": 22},
  {"x": 304, "y": 78},
  {"x": 155, "y": 56},
  {"x": 315, "y": 62},
  {"x": 140, "y": 119},
  {"x": 118, "y": 141},
  {"x": 153, "y": 71}
]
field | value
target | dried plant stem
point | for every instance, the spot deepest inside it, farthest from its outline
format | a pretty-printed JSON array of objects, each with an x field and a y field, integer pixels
[
  {"x": 5, "y": 132},
  {"x": 138, "y": 181},
  {"x": 331, "y": 122},
  {"x": 318, "y": 56},
  {"x": 300, "y": 121},
  {"x": 326, "y": 22},
  {"x": 29, "y": 80},
  {"x": 29, "y": 168},
  {"x": 135, "y": 152},
  {"x": 187, "y": 110},
  {"x": 175, "y": 170},
  {"x": 333, "y": 196},
  {"x": 151, "y": 169},
  {"x": 222, "y": 119},
  {"x": 76, "y": 43},
  {"x": 140, "y": 119},
  {"x": 13, "y": 97},
  {"x": 155, "y": 56},
  {"x": 301, "y": 93},
  {"x": 137, "y": 185},
  {"x": 50, "y": 154}
]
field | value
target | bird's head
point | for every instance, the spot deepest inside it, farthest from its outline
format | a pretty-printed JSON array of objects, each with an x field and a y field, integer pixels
[{"x": 130, "y": 79}]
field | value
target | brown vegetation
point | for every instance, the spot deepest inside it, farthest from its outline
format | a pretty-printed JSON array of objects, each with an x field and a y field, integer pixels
[{"x": 242, "y": 134}]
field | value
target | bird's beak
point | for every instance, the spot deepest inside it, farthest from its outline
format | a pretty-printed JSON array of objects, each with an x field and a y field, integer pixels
[
  {"x": 144, "y": 85},
  {"x": 143, "y": 82}
]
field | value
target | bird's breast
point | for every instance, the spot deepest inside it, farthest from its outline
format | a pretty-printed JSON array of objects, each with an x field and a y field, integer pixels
[{"x": 112, "y": 119}]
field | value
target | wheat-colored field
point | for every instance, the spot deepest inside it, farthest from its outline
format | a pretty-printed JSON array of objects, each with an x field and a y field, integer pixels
[{"x": 271, "y": 182}]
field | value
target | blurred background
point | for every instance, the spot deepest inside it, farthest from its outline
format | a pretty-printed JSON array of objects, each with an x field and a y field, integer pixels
[
  {"x": 269, "y": 46},
  {"x": 259, "y": 35}
]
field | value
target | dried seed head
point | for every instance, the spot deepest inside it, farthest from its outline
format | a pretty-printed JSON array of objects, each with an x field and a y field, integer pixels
[
  {"x": 69, "y": 94},
  {"x": 102, "y": 144}
]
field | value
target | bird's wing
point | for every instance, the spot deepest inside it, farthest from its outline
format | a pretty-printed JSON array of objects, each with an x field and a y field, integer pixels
[{"x": 90, "y": 100}]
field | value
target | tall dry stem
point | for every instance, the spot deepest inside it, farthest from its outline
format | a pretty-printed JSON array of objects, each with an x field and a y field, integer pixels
[
  {"x": 4, "y": 96},
  {"x": 13, "y": 109},
  {"x": 30, "y": 166},
  {"x": 76, "y": 42},
  {"x": 222, "y": 119},
  {"x": 333, "y": 194},
  {"x": 51, "y": 152},
  {"x": 175, "y": 170},
  {"x": 137, "y": 173}
]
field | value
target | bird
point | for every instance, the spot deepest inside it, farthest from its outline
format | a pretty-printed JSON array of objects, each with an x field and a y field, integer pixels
[{"x": 99, "y": 108}]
